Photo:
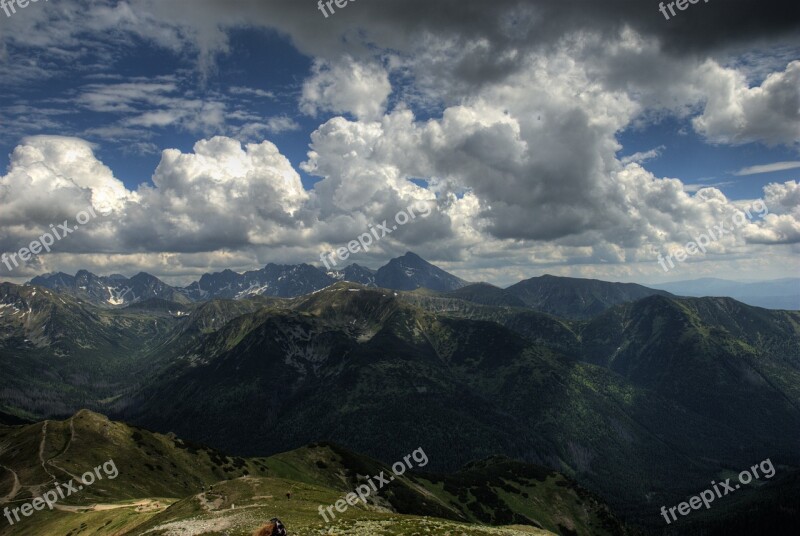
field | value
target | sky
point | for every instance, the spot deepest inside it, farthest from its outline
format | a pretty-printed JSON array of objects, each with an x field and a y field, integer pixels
[{"x": 577, "y": 138}]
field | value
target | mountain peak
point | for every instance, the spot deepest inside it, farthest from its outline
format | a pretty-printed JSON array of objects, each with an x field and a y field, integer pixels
[
  {"x": 411, "y": 272},
  {"x": 144, "y": 275}
]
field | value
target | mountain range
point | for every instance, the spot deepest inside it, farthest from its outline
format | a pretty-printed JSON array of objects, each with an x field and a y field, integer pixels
[
  {"x": 403, "y": 273},
  {"x": 640, "y": 396},
  {"x": 559, "y": 296}
]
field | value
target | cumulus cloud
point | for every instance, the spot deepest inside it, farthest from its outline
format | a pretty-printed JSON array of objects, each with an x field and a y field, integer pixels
[
  {"x": 51, "y": 176},
  {"x": 518, "y": 144},
  {"x": 227, "y": 205},
  {"x": 222, "y": 205},
  {"x": 736, "y": 113},
  {"x": 222, "y": 195},
  {"x": 536, "y": 155},
  {"x": 346, "y": 86}
]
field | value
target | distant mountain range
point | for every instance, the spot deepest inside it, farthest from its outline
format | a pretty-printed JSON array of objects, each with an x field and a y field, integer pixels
[
  {"x": 112, "y": 290},
  {"x": 559, "y": 296},
  {"x": 272, "y": 280},
  {"x": 403, "y": 273}
]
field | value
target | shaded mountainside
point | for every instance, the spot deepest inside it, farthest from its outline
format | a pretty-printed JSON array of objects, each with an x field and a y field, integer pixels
[
  {"x": 643, "y": 404},
  {"x": 163, "y": 483},
  {"x": 728, "y": 360},
  {"x": 577, "y": 298},
  {"x": 368, "y": 361},
  {"x": 57, "y": 352},
  {"x": 355, "y": 274},
  {"x": 486, "y": 294}
]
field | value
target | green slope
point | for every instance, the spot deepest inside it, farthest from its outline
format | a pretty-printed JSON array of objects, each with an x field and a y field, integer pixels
[{"x": 163, "y": 484}]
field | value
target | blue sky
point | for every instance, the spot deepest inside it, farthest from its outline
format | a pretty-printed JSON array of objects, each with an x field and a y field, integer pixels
[
  {"x": 688, "y": 156},
  {"x": 546, "y": 140}
]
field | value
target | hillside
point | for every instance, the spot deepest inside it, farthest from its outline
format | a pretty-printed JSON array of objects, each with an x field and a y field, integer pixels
[
  {"x": 486, "y": 294},
  {"x": 577, "y": 298},
  {"x": 57, "y": 351},
  {"x": 162, "y": 483},
  {"x": 263, "y": 375},
  {"x": 357, "y": 356}
]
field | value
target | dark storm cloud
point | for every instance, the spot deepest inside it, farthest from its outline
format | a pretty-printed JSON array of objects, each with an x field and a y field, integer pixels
[
  {"x": 503, "y": 29},
  {"x": 489, "y": 36},
  {"x": 702, "y": 27}
]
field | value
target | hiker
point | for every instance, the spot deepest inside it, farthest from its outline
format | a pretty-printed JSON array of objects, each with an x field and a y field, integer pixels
[
  {"x": 288, "y": 495},
  {"x": 273, "y": 528}
]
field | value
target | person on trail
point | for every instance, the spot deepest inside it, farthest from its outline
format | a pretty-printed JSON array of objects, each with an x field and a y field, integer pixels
[{"x": 273, "y": 528}]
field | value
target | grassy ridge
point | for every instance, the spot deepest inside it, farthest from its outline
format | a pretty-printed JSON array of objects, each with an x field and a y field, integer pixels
[{"x": 165, "y": 484}]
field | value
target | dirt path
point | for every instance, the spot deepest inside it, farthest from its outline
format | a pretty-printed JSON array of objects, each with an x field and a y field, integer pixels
[
  {"x": 41, "y": 451},
  {"x": 14, "y": 489},
  {"x": 71, "y": 439},
  {"x": 105, "y": 507}
]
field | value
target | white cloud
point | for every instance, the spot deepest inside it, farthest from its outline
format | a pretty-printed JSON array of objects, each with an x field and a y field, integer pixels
[
  {"x": 239, "y": 90},
  {"x": 767, "y": 168},
  {"x": 149, "y": 105},
  {"x": 220, "y": 196},
  {"x": 782, "y": 224},
  {"x": 51, "y": 175},
  {"x": 227, "y": 205},
  {"x": 346, "y": 86},
  {"x": 643, "y": 156},
  {"x": 736, "y": 113},
  {"x": 521, "y": 156},
  {"x": 273, "y": 125}
]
